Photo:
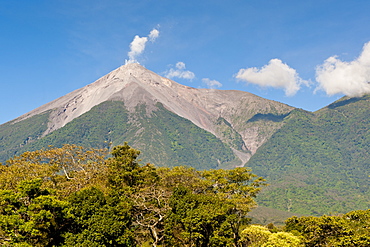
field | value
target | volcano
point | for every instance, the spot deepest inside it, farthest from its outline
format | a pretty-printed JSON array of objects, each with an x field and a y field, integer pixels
[{"x": 240, "y": 120}]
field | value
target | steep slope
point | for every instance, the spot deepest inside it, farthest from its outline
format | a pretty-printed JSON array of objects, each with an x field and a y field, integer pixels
[
  {"x": 15, "y": 135},
  {"x": 163, "y": 137},
  {"x": 241, "y": 120},
  {"x": 317, "y": 163}
]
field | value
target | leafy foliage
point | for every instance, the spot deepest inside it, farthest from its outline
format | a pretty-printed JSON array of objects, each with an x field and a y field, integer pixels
[
  {"x": 198, "y": 220},
  {"x": 71, "y": 196},
  {"x": 99, "y": 220},
  {"x": 351, "y": 229},
  {"x": 31, "y": 215},
  {"x": 212, "y": 214},
  {"x": 260, "y": 236}
]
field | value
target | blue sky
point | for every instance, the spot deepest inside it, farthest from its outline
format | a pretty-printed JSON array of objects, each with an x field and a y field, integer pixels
[{"x": 303, "y": 53}]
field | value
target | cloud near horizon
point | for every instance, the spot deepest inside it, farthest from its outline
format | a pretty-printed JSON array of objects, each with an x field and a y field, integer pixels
[
  {"x": 211, "y": 83},
  {"x": 180, "y": 72},
  {"x": 137, "y": 46},
  {"x": 350, "y": 78},
  {"x": 275, "y": 74}
]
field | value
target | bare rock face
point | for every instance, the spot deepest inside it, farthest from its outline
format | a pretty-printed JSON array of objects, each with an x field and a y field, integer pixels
[{"x": 228, "y": 114}]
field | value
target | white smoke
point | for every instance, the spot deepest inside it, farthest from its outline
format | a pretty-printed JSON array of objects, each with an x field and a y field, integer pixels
[
  {"x": 180, "y": 72},
  {"x": 275, "y": 74},
  {"x": 137, "y": 46},
  {"x": 211, "y": 83},
  {"x": 153, "y": 35},
  {"x": 349, "y": 78}
]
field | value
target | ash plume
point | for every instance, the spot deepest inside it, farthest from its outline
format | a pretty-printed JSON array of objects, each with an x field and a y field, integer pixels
[{"x": 137, "y": 46}]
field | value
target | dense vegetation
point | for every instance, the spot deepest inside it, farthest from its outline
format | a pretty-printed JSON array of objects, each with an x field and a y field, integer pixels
[
  {"x": 70, "y": 196},
  {"x": 317, "y": 163},
  {"x": 15, "y": 135},
  {"x": 351, "y": 229}
]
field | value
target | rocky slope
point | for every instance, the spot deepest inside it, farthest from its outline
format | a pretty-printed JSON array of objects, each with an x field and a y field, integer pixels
[{"x": 230, "y": 115}]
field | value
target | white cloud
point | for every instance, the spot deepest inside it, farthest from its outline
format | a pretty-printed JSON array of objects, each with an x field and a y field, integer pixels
[
  {"x": 275, "y": 74},
  {"x": 211, "y": 83},
  {"x": 137, "y": 46},
  {"x": 180, "y": 65},
  {"x": 153, "y": 35},
  {"x": 180, "y": 72},
  {"x": 349, "y": 78}
]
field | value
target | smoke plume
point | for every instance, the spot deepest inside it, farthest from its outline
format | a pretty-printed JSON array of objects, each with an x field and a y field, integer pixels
[{"x": 137, "y": 46}]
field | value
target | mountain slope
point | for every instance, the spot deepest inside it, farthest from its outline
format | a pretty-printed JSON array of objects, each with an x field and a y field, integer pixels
[
  {"x": 225, "y": 114},
  {"x": 15, "y": 135},
  {"x": 163, "y": 137},
  {"x": 317, "y": 163}
]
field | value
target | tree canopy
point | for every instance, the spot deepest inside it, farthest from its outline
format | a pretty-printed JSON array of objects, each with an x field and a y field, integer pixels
[{"x": 72, "y": 196}]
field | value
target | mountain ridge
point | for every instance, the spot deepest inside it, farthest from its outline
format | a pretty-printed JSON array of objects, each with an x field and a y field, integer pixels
[
  {"x": 321, "y": 156},
  {"x": 133, "y": 84}
]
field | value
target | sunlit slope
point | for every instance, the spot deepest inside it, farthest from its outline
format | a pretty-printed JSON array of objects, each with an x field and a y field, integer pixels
[
  {"x": 164, "y": 138},
  {"x": 318, "y": 163},
  {"x": 14, "y": 136},
  {"x": 241, "y": 120}
]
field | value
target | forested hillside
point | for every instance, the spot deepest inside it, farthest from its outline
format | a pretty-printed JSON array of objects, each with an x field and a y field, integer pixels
[
  {"x": 163, "y": 137},
  {"x": 15, "y": 135},
  {"x": 317, "y": 163}
]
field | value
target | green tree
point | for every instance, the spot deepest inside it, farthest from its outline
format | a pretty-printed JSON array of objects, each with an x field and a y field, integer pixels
[
  {"x": 283, "y": 239},
  {"x": 254, "y": 236},
  {"x": 351, "y": 229},
  {"x": 209, "y": 208},
  {"x": 123, "y": 168},
  {"x": 238, "y": 187},
  {"x": 317, "y": 231},
  {"x": 197, "y": 220},
  {"x": 99, "y": 220},
  {"x": 66, "y": 169},
  {"x": 31, "y": 216},
  {"x": 260, "y": 236}
]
